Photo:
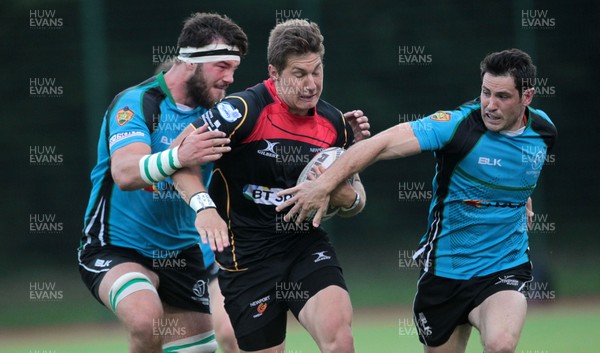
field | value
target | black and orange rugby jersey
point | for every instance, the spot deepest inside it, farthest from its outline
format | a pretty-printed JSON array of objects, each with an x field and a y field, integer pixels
[{"x": 270, "y": 148}]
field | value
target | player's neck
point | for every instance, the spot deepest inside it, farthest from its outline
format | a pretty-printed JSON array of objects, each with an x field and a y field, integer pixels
[{"x": 176, "y": 84}]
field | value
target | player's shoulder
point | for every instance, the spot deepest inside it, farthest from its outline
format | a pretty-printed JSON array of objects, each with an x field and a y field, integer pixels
[
  {"x": 328, "y": 111},
  {"x": 332, "y": 114},
  {"x": 134, "y": 96},
  {"x": 446, "y": 127},
  {"x": 540, "y": 117},
  {"x": 543, "y": 126},
  {"x": 256, "y": 95},
  {"x": 134, "y": 92},
  {"x": 445, "y": 123},
  {"x": 468, "y": 110},
  {"x": 250, "y": 101},
  {"x": 237, "y": 109},
  {"x": 337, "y": 123}
]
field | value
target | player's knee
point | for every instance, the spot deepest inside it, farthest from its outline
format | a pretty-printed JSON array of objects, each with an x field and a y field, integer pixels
[
  {"x": 502, "y": 343},
  {"x": 343, "y": 344},
  {"x": 338, "y": 339},
  {"x": 226, "y": 338},
  {"x": 142, "y": 332},
  {"x": 141, "y": 335},
  {"x": 144, "y": 326},
  {"x": 228, "y": 344},
  {"x": 334, "y": 334},
  {"x": 145, "y": 322},
  {"x": 139, "y": 316},
  {"x": 201, "y": 343}
]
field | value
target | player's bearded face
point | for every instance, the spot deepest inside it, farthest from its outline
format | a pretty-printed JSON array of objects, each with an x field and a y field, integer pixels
[{"x": 204, "y": 90}]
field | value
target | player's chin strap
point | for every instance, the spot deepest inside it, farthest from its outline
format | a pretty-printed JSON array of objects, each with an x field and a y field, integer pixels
[
  {"x": 209, "y": 53},
  {"x": 202, "y": 343}
]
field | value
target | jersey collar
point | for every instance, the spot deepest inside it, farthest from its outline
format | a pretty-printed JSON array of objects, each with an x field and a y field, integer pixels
[{"x": 163, "y": 85}]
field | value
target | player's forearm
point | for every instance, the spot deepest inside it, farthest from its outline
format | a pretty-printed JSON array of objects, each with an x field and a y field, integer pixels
[
  {"x": 398, "y": 141},
  {"x": 188, "y": 182},
  {"x": 395, "y": 142},
  {"x": 354, "y": 160}
]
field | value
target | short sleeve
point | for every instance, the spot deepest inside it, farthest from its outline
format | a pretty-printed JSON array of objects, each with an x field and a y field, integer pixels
[
  {"x": 435, "y": 131},
  {"x": 126, "y": 125},
  {"x": 234, "y": 115}
]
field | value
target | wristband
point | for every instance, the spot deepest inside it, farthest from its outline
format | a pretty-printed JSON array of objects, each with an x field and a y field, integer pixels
[
  {"x": 159, "y": 166},
  {"x": 201, "y": 201},
  {"x": 354, "y": 204}
]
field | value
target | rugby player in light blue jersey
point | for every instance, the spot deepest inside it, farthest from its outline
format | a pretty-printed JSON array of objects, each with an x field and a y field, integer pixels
[
  {"x": 475, "y": 253},
  {"x": 140, "y": 254}
]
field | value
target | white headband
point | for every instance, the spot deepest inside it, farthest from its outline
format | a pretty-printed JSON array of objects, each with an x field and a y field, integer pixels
[{"x": 209, "y": 53}]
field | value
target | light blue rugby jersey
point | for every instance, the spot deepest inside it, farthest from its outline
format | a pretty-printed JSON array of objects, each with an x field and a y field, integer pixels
[
  {"x": 477, "y": 223},
  {"x": 156, "y": 218}
]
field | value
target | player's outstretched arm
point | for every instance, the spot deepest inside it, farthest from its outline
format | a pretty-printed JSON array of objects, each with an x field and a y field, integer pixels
[
  {"x": 395, "y": 142},
  {"x": 211, "y": 227}
]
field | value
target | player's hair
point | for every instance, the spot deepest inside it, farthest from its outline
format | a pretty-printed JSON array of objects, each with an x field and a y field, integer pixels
[
  {"x": 201, "y": 29},
  {"x": 513, "y": 62},
  {"x": 293, "y": 37}
]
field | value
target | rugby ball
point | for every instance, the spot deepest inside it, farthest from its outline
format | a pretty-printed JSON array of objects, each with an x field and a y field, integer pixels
[{"x": 324, "y": 158}]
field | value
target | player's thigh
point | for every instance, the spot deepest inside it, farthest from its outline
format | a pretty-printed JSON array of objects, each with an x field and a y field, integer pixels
[
  {"x": 318, "y": 297},
  {"x": 138, "y": 308},
  {"x": 184, "y": 281},
  {"x": 217, "y": 302},
  {"x": 117, "y": 272},
  {"x": 500, "y": 317},
  {"x": 257, "y": 316},
  {"x": 327, "y": 312},
  {"x": 221, "y": 322}
]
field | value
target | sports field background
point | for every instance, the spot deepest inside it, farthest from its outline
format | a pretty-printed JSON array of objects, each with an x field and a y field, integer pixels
[
  {"x": 566, "y": 328},
  {"x": 398, "y": 61},
  {"x": 382, "y": 321}
]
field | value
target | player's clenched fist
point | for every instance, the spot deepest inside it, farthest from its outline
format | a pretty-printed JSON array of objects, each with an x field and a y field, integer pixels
[{"x": 359, "y": 123}]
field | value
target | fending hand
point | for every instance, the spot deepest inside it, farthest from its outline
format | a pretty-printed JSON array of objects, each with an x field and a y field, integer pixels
[{"x": 212, "y": 229}]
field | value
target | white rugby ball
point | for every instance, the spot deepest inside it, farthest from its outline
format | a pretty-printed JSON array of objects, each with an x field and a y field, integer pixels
[{"x": 324, "y": 158}]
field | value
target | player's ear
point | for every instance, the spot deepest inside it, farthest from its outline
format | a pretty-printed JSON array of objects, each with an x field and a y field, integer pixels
[
  {"x": 273, "y": 74},
  {"x": 528, "y": 96},
  {"x": 190, "y": 66}
]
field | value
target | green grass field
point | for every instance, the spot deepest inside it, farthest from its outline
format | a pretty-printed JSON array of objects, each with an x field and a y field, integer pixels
[
  {"x": 78, "y": 324},
  {"x": 554, "y": 328}
]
